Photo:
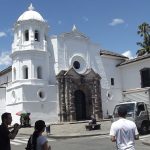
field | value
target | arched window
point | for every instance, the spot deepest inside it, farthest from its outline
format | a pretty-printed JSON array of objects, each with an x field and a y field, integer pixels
[
  {"x": 145, "y": 77},
  {"x": 14, "y": 71},
  {"x": 45, "y": 37},
  {"x": 25, "y": 72},
  {"x": 39, "y": 72},
  {"x": 26, "y": 35},
  {"x": 36, "y": 35}
]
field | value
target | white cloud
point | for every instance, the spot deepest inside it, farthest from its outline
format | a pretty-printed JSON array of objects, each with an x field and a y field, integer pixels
[
  {"x": 5, "y": 59},
  {"x": 2, "y": 34},
  {"x": 128, "y": 53},
  {"x": 116, "y": 21}
]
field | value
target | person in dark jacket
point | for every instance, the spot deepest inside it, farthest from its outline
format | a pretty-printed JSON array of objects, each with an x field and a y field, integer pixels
[
  {"x": 5, "y": 134},
  {"x": 93, "y": 120}
]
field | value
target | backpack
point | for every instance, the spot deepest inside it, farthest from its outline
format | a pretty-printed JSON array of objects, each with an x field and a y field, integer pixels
[{"x": 30, "y": 146}]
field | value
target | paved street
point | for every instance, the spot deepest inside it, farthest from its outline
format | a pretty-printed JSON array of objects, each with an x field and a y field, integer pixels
[
  {"x": 19, "y": 143},
  {"x": 84, "y": 143}
]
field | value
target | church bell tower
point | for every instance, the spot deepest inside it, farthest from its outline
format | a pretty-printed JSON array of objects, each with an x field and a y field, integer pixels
[{"x": 33, "y": 86}]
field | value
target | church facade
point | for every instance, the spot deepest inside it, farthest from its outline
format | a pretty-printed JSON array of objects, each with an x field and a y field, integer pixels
[{"x": 66, "y": 77}]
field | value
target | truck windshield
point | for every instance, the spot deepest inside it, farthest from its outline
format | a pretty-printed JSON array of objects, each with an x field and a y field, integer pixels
[{"x": 130, "y": 109}]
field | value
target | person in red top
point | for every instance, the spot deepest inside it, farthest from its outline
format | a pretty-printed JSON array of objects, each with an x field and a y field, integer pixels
[{"x": 5, "y": 134}]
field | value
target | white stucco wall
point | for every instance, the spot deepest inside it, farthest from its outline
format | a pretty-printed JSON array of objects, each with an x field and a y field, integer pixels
[
  {"x": 130, "y": 74},
  {"x": 27, "y": 99},
  {"x": 13, "y": 109},
  {"x": 106, "y": 67},
  {"x": 32, "y": 60},
  {"x": 71, "y": 47},
  {"x": 2, "y": 101}
]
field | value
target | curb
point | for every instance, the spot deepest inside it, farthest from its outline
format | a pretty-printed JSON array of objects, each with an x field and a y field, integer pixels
[
  {"x": 146, "y": 143},
  {"x": 69, "y": 136},
  {"x": 74, "y": 136}
]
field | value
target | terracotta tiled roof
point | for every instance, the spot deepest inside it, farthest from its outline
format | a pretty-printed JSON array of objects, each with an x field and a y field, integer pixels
[
  {"x": 139, "y": 58},
  {"x": 109, "y": 53},
  {"x": 6, "y": 70}
]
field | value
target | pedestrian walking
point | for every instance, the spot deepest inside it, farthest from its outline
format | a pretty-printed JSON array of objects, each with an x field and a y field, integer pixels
[
  {"x": 5, "y": 134},
  {"x": 124, "y": 131},
  {"x": 37, "y": 141}
]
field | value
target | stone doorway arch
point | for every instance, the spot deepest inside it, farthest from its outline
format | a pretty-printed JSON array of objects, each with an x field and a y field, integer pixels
[
  {"x": 80, "y": 105},
  {"x": 88, "y": 87}
]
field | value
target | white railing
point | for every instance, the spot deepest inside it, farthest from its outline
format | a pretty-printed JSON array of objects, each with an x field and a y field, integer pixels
[{"x": 33, "y": 45}]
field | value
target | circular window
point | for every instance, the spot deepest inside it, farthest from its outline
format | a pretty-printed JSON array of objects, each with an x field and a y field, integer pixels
[
  {"x": 109, "y": 95},
  {"x": 76, "y": 65},
  {"x": 41, "y": 94}
]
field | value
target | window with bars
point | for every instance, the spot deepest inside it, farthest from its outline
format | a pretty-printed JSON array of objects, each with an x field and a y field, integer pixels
[{"x": 145, "y": 77}]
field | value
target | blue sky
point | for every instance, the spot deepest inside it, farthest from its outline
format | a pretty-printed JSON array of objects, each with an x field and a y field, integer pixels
[{"x": 112, "y": 24}]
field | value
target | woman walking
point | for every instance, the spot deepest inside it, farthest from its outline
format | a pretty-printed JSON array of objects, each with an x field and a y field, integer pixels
[{"x": 37, "y": 141}]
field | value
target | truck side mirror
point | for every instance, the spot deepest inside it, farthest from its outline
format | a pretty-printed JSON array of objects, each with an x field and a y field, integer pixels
[
  {"x": 110, "y": 116},
  {"x": 138, "y": 113}
]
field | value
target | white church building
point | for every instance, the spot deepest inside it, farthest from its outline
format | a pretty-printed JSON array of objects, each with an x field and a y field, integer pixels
[{"x": 66, "y": 77}]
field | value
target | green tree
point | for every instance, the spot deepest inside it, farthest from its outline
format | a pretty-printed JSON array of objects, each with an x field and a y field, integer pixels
[{"x": 144, "y": 31}]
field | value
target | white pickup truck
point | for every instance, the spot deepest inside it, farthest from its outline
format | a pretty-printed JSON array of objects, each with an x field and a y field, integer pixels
[{"x": 137, "y": 112}]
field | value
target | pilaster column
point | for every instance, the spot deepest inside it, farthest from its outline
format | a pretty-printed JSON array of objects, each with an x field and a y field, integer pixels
[
  {"x": 62, "y": 103},
  {"x": 67, "y": 97},
  {"x": 97, "y": 101},
  {"x": 71, "y": 99}
]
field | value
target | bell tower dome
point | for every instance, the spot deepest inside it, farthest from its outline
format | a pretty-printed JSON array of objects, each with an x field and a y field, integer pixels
[
  {"x": 31, "y": 47},
  {"x": 30, "y": 32}
]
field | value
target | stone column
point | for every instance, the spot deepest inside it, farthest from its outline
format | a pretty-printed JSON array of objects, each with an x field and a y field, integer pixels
[
  {"x": 97, "y": 110},
  {"x": 62, "y": 103},
  {"x": 67, "y": 98},
  {"x": 71, "y": 99},
  {"x": 93, "y": 98}
]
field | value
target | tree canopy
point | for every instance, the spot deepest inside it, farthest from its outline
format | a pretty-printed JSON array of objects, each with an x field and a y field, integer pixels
[{"x": 144, "y": 32}]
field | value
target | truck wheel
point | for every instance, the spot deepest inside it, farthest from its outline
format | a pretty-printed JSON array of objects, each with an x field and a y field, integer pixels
[{"x": 144, "y": 129}]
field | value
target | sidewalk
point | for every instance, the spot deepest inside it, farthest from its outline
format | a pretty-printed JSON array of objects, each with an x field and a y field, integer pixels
[
  {"x": 70, "y": 130},
  {"x": 146, "y": 141},
  {"x": 74, "y": 130}
]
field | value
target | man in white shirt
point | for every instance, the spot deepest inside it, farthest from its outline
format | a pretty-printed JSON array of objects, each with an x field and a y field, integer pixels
[{"x": 124, "y": 131}]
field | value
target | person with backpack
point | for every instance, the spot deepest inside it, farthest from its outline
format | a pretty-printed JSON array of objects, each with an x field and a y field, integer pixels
[{"x": 37, "y": 141}]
